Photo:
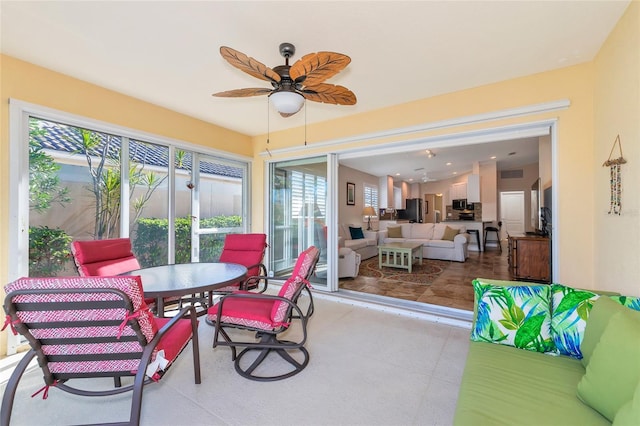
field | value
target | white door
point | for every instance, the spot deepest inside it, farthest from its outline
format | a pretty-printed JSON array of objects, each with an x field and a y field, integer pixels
[{"x": 512, "y": 212}]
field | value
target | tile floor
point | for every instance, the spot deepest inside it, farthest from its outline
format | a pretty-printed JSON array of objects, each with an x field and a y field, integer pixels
[
  {"x": 451, "y": 289},
  {"x": 368, "y": 367}
]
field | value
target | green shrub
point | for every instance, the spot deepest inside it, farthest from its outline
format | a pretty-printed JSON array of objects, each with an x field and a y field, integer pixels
[
  {"x": 151, "y": 248},
  {"x": 49, "y": 251}
]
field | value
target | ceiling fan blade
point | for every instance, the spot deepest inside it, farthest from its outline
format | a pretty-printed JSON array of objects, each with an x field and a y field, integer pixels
[
  {"x": 249, "y": 65},
  {"x": 317, "y": 67},
  {"x": 243, "y": 93},
  {"x": 330, "y": 94}
]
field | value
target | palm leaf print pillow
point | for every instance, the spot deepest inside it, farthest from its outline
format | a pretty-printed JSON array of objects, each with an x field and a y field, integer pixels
[
  {"x": 517, "y": 316},
  {"x": 570, "y": 312},
  {"x": 571, "y": 309}
]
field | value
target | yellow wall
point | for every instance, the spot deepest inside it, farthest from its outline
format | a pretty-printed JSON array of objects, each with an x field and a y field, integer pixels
[
  {"x": 29, "y": 83},
  {"x": 617, "y": 112}
]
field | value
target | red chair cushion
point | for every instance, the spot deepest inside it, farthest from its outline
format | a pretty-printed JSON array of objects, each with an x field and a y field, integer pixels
[
  {"x": 174, "y": 341},
  {"x": 254, "y": 313},
  {"x": 104, "y": 257},
  {"x": 298, "y": 278},
  {"x": 130, "y": 285},
  {"x": 109, "y": 267},
  {"x": 244, "y": 249}
]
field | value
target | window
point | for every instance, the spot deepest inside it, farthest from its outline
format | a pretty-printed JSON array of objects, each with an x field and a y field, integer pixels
[
  {"x": 77, "y": 178},
  {"x": 371, "y": 196}
]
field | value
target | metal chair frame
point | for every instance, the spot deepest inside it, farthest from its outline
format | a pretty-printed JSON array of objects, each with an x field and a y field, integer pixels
[
  {"x": 268, "y": 341},
  {"x": 58, "y": 380}
]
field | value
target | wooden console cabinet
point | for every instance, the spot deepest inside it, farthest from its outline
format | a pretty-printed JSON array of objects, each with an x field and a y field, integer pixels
[{"x": 530, "y": 258}]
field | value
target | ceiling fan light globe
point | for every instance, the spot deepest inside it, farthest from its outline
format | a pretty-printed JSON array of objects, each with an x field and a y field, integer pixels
[{"x": 287, "y": 102}]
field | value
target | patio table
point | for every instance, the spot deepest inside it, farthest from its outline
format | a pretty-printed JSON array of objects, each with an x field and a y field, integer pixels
[{"x": 181, "y": 279}]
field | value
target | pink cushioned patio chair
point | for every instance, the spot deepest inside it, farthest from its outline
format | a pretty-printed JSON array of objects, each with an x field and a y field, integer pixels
[
  {"x": 248, "y": 251},
  {"x": 101, "y": 258},
  {"x": 88, "y": 327},
  {"x": 267, "y": 316}
]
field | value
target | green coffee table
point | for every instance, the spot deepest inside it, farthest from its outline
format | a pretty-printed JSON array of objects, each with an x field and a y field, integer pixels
[{"x": 399, "y": 255}]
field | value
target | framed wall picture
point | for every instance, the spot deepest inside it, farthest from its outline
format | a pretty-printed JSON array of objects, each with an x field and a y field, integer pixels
[{"x": 351, "y": 194}]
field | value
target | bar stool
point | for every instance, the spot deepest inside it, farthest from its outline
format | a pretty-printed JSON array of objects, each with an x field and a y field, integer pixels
[
  {"x": 477, "y": 235},
  {"x": 488, "y": 229}
]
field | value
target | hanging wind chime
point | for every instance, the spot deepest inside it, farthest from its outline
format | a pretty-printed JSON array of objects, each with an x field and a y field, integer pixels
[{"x": 615, "y": 178}]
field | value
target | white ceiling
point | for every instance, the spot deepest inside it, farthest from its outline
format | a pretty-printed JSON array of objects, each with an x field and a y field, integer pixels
[
  {"x": 414, "y": 165},
  {"x": 166, "y": 53}
]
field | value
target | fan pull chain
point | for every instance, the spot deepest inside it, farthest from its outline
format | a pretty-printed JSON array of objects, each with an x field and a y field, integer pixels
[
  {"x": 268, "y": 129},
  {"x": 305, "y": 121}
]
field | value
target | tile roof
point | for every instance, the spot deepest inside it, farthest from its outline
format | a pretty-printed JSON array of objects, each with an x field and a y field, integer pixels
[{"x": 60, "y": 137}]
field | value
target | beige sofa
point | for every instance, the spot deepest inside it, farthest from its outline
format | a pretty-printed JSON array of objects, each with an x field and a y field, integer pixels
[
  {"x": 430, "y": 235},
  {"x": 366, "y": 247}
]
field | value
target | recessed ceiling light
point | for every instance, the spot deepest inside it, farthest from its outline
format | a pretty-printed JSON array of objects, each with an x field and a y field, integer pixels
[
  {"x": 455, "y": 173},
  {"x": 448, "y": 164},
  {"x": 410, "y": 179},
  {"x": 397, "y": 174},
  {"x": 493, "y": 157}
]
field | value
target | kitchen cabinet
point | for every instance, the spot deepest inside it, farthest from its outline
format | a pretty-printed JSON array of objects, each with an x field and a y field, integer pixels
[
  {"x": 458, "y": 191},
  {"x": 398, "y": 200},
  {"x": 385, "y": 192},
  {"x": 530, "y": 258},
  {"x": 469, "y": 190},
  {"x": 473, "y": 188}
]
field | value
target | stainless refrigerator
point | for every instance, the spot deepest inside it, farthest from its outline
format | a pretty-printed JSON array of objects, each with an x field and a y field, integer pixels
[{"x": 413, "y": 210}]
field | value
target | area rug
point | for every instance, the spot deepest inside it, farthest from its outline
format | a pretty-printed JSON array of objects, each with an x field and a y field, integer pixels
[{"x": 425, "y": 273}]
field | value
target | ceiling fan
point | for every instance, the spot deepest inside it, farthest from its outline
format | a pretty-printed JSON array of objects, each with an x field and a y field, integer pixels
[
  {"x": 292, "y": 84},
  {"x": 426, "y": 178}
]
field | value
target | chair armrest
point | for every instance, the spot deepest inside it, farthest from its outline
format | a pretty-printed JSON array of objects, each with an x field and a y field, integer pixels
[
  {"x": 257, "y": 296},
  {"x": 181, "y": 315},
  {"x": 254, "y": 280},
  {"x": 340, "y": 241},
  {"x": 461, "y": 239}
]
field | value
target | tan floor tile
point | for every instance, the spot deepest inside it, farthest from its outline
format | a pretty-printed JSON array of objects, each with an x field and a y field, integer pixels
[{"x": 452, "y": 288}]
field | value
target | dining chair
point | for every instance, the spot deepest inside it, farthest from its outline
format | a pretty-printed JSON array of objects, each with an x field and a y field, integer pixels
[
  {"x": 248, "y": 251},
  {"x": 89, "y": 327},
  {"x": 113, "y": 256},
  {"x": 266, "y": 317},
  {"x": 99, "y": 258}
]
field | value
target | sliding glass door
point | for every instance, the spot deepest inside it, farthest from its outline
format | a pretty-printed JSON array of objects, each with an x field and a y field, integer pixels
[{"x": 298, "y": 214}]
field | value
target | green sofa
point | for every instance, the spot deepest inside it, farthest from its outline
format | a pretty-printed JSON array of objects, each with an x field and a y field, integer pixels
[{"x": 533, "y": 379}]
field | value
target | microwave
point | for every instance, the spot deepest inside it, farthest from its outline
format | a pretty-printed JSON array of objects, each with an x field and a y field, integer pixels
[{"x": 459, "y": 204}]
